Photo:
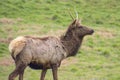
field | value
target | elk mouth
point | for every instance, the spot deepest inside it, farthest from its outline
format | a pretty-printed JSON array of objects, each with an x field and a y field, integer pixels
[{"x": 91, "y": 32}]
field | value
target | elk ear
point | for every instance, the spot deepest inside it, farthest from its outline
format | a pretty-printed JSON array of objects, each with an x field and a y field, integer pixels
[
  {"x": 80, "y": 21},
  {"x": 74, "y": 22}
]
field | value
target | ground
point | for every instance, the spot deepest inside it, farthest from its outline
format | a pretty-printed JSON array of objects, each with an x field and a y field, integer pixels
[{"x": 98, "y": 58}]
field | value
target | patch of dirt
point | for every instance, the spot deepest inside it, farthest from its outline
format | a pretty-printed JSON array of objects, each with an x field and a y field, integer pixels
[
  {"x": 6, "y": 61},
  {"x": 106, "y": 34},
  {"x": 9, "y": 20},
  {"x": 7, "y": 41},
  {"x": 57, "y": 33},
  {"x": 69, "y": 61}
]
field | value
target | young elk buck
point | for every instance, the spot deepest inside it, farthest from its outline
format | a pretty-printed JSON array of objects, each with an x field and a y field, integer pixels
[{"x": 48, "y": 52}]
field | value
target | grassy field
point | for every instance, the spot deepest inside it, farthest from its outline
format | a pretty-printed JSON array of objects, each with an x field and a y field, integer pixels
[{"x": 99, "y": 56}]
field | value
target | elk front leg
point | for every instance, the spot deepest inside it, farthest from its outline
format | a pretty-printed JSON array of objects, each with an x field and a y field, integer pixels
[
  {"x": 54, "y": 71},
  {"x": 43, "y": 73}
]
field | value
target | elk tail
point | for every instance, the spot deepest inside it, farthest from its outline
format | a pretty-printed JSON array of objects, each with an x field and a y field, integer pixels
[{"x": 16, "y": 46}]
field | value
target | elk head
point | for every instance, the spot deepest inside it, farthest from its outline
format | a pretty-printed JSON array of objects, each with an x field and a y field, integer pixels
[{"x": 77, "y": 29}]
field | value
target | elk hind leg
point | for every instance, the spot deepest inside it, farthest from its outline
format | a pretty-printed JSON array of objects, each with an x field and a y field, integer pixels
[
  {"x": 18, "y": 71},
  {"x": 22, "y": 72}
]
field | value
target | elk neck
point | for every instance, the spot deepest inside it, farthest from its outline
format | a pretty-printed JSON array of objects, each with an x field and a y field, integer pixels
[{"x": 71, "y": 43}]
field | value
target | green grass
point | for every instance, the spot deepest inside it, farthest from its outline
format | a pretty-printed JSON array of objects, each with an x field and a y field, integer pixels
[{"x": 98, "y": 58}]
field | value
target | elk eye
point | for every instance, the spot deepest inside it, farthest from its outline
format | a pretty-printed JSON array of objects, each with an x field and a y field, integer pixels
[{"x": 80, "y": 27}]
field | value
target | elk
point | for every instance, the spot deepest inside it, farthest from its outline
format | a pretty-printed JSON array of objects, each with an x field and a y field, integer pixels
[{"x": 47, "y": 52}]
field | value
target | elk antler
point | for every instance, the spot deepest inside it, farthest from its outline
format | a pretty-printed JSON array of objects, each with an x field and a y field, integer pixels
[
  {"x": 70, "y": 14},
  {"x": 76, "y": 13}
]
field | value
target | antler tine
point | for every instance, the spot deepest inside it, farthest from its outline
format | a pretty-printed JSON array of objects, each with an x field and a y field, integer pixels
[
  {"x": 70, "y": 14},
  {"x": 76, "y": 14}
]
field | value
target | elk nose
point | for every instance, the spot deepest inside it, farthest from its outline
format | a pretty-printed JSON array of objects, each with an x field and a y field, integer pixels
[{"x": 92, "y": 31}]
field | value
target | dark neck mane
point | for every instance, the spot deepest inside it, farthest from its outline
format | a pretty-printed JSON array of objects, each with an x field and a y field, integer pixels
[{"x": 71, "y": 43}]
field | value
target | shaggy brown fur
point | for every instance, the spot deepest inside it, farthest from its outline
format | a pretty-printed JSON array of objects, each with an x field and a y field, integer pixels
[
  {"x": 48, "y": 52},
  {"x": 72, "y": 40}
]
